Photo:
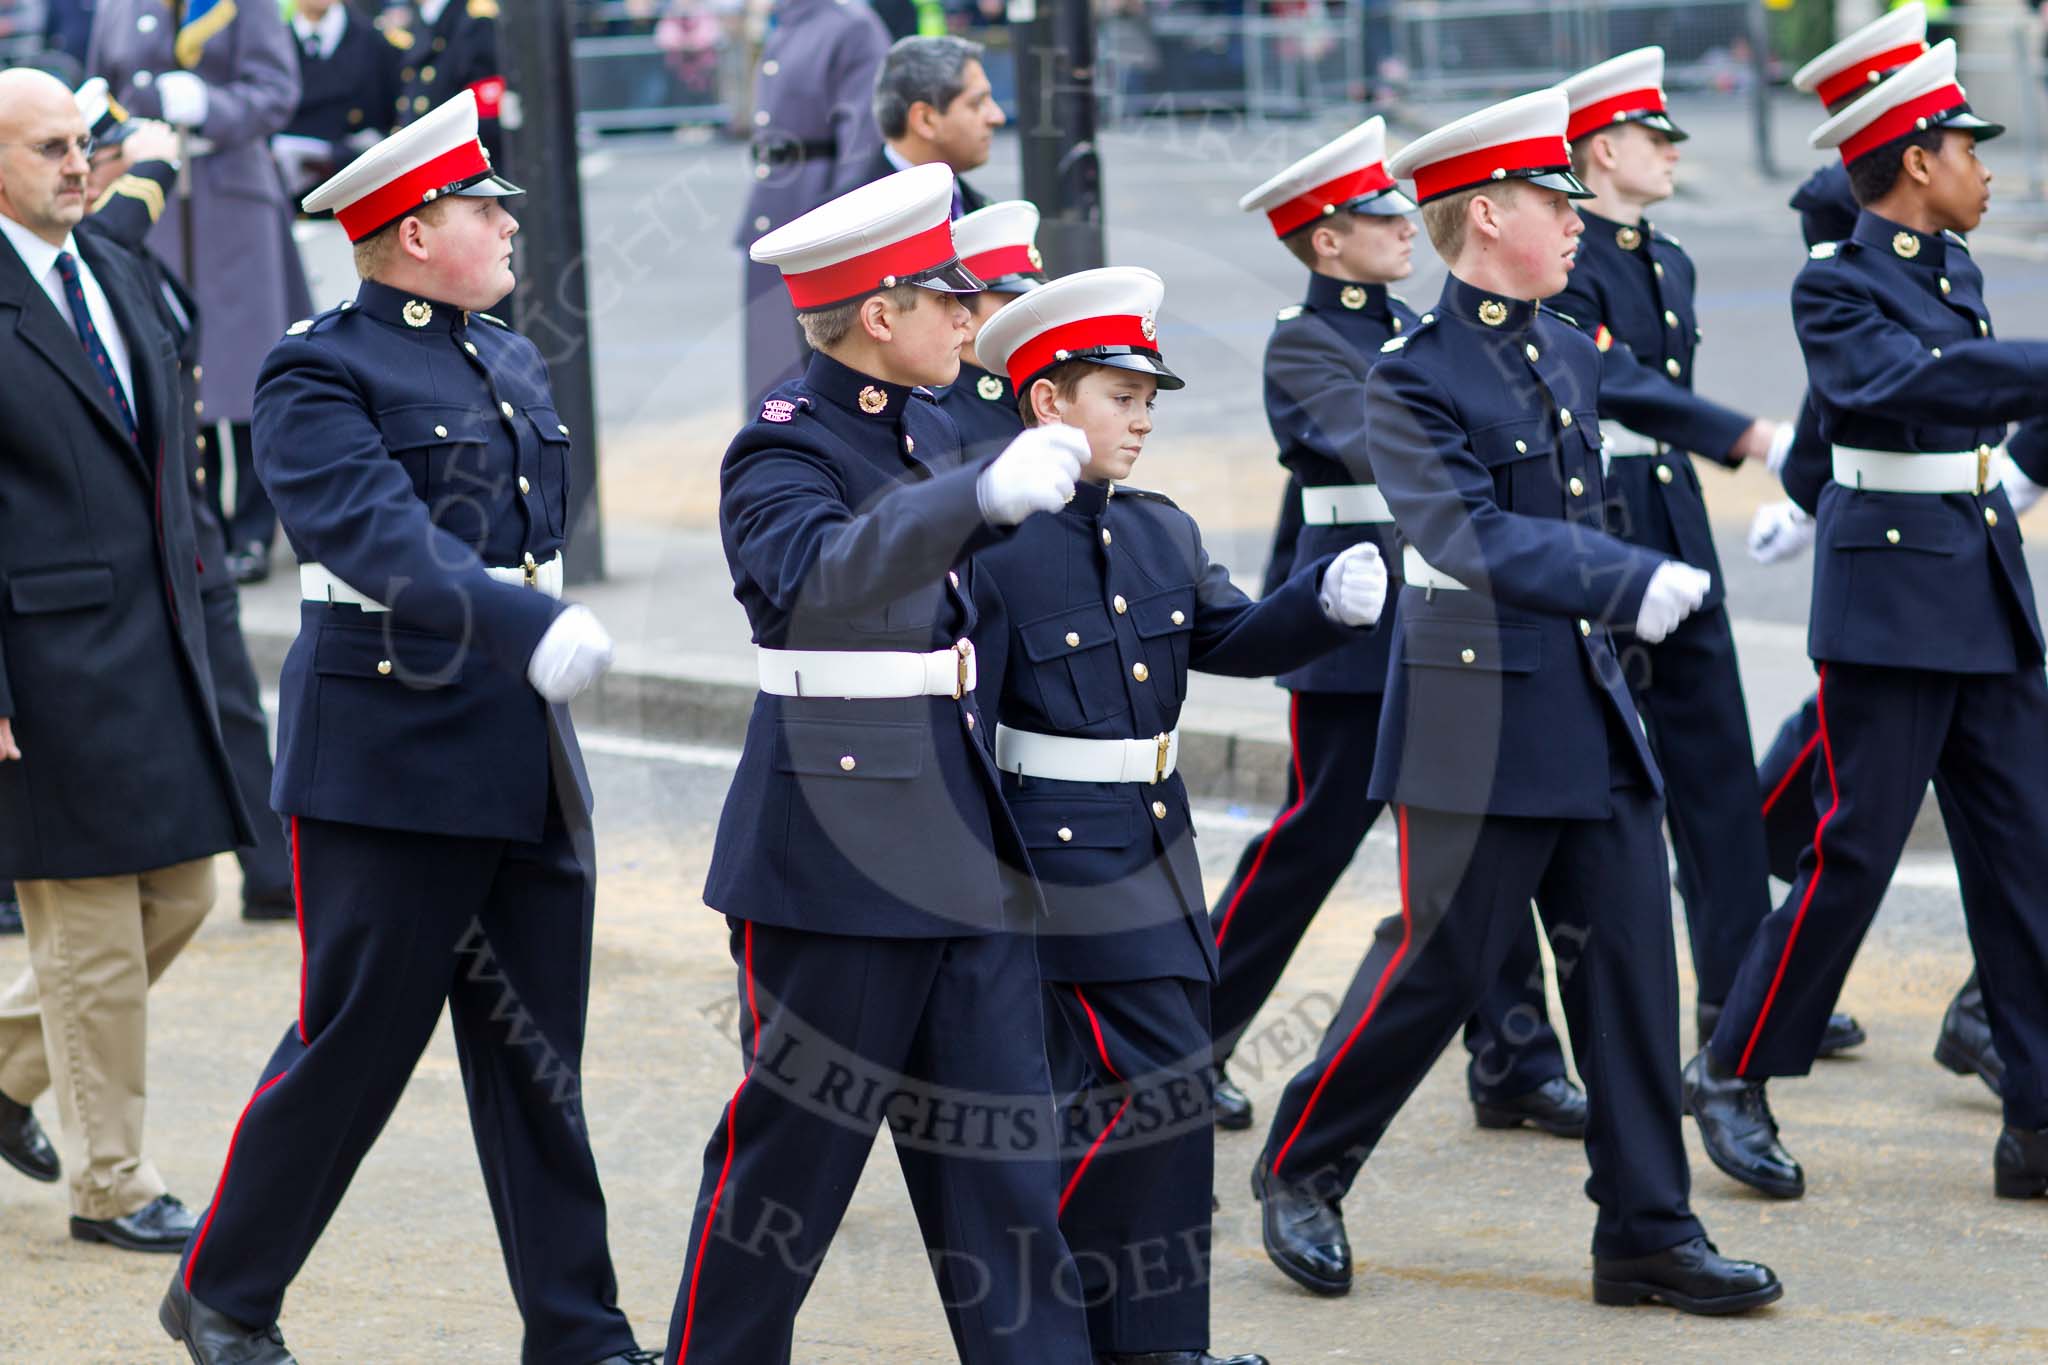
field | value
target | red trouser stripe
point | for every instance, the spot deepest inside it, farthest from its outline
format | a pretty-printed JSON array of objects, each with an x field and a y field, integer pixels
[
  {"x": 1827, "y": 750},
  {"x": 1798, "y": 764},
  {"x": 718, "y": 1191},
  {"x": 1379, "y": 991},
  {"x": 1300, "y": 795},
  {"x": 299, "y": 906},
  {"x": 227, "y": 1164},
  {"x": 1102, "y": 1051}
]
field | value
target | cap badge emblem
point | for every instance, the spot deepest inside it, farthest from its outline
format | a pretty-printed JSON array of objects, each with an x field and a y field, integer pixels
[
  {"x": 1628, "y": 238},
  {"x": 1493, "y": 312},
  {"x": 777, "y": 410},
  {"x": 1353, "y": 296},
  {"x": 989, "y": 387},
  {"x": 1149, "y": 328},
  {"x": 873, "y": 400},
  {"x": 1037, "y": 261},
  {"x": 418, "y": 314},
  {"x": 1906, "y": 244}
]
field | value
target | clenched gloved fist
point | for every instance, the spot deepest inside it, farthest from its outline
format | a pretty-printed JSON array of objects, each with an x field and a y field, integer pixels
[
  {"x": 1035, "y": 474},
  {"x": 1676, "y": 591},
  {"x": 1779, "y": 531},
  {"x": 1355, "y": 586},
  {"x": 573, "y": 654}
]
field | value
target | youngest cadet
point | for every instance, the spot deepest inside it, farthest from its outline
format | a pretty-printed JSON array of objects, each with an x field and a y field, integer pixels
[
  {"x": 996, "y": 244},
  {"x": 1092, "y": 619}
]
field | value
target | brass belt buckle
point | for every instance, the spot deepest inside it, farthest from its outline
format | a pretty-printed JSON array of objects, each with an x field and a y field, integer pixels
[
  {"x": 963, "y": 652},
  {"x": 532, "y": 571},
  {"x": 1983, "y": 468},
  {"x": 1159, "y": 764}
]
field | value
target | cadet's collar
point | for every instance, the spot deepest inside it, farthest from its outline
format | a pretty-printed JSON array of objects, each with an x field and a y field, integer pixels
[
  {"x": 408, "y": 311},
  {"x": 1629, "y": 237},
  {"x": 1090, "y": 498},
  {"x": 992, "y": 388},
  {"x": 1492, "y": 313},
  {"x": 1883, "y": 235},
  {"x": 854, "y": 391},
  {"x": 1327, "y": 295}
]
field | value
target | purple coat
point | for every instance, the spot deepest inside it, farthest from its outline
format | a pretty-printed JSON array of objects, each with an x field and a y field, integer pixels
[{"x": 246, "y": 270}]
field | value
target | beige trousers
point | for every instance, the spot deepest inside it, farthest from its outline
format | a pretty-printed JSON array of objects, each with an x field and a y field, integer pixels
[{"x": 78, "y": 1020}]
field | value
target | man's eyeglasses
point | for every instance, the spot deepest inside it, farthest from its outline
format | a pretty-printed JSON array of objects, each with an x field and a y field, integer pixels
[{"x": 57, "y": 148}]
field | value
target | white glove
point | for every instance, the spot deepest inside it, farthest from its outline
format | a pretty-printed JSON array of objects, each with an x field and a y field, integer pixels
[
  {"x": 184, "y": 98},
  {"x": 2022, "y": 491},
  {"x": 1781, "y": 449},
  {"x": 1355, "y": 586},
  {"x": 1676, "y": 591},
  {"x": 1035, "y": 474},
  {"x": 573, "y": 654},
  {"x": 1779, "y": 531}
]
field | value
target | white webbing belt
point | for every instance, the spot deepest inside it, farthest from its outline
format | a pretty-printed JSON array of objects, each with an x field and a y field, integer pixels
[
  {"x": 1891, "y": 471},
  {"x": 867, "y": 674},
  {"x": 1344, "y": 504},
  {"x": 1417, "y": 573},
  {"x": 316, "y": 584},
  {"x": 1067, "y": 759},
  {"x": 1617, "y": 442}
]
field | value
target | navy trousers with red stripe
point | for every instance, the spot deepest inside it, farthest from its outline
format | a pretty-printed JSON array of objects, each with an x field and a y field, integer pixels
[
  {"x": 1466, "y": 883},
  {"x": 1286, "y": 873},
  {"x": 1129, "y": 1062},
  {"x": 943, "y": 1039},
  {"x": 1884, "y": 732},
  {"x": 394, "y": 926}
]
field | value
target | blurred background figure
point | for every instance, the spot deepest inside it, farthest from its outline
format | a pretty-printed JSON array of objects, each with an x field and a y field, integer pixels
[
  {"x": 348, "y": 93},
  {"x": 445, "y": 47}
]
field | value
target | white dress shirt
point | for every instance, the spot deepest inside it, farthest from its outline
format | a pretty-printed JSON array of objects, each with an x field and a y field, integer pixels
[
  {"x": 326, "y": 35},
  {"x": 41, "y": 259}
]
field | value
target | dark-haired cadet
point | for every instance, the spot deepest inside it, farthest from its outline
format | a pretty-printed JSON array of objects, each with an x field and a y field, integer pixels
[{"x": 1923, "y": 626}]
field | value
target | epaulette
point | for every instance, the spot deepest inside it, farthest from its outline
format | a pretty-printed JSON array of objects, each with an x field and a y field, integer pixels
[
  {"x": 498, "y": 321},
  {"x": 1289, "y": 313},
  {"x": 1823, "y": 251},
  {"x": 305, "y": 325},
  {"x": 1566, "y": 318},
  {"x": 1956, "y": 237},
  {"x": 1124, "y": 490},
  {"x": 400, "y": 38}
]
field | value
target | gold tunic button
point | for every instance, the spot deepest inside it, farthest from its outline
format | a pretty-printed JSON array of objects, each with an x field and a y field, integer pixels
[
  {"x": 1944, "y": 284},
  {"x": 846, "y": 763},
  {"x": 1119, "y": 603},
  {"x": 1892, "y": 535},
  {"x": 505, "y": 408},
  {"x": 1140, "y": 672},
  {"x": 562, "y": 428},
  {"x": 469, "y": 346},
  {"x": 1663, "y": 473},
  {"x": 1991, "y": 516},
  {"x": 1577, "y": 486},
  {"x": 1670, "y": 318},
  {"x": 1073, "y": 639},
  {"x": 909, "y": 444},
  {"x": 953, "y": 578},
  {"x": 1983, "y": 327},
  {"x": 1468, "y": 656},
  {"x": 1671, "y": 367},
  {"x": 199, "y": 474},
  {"x": 1105, "y": 535},
  {"x": 421, "y": 104},
  {"x": 1585, "y": 626},
  {"x": 970, "y": 720},
  {"x": 1658, "y": 266},
  {"x": 199, "y": 372},
  {"x": 1158, "y": 810},
  {"x": 427, "y": 74},
  {"x": 440, "y": 430},
  {"x": 1521, "y": 447},
  {"x": 1179, "y": 618},
  {"x": 1937, "y": 352},
  {"x": 1564, "y": 416},
  {"x": 1530, "y": 351},
  {"x": 1066, "y": 835},
  {"x": 524, "y": 486},
  {"x": 384, "y": 667}
]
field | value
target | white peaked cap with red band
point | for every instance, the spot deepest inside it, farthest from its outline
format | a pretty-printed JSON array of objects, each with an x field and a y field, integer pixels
[
  {"x": 1107, "y": 316},
  {"x": 1624, "y": 89},
  {"x": 890, "y": 232},
  {"x": 1517, "y": 139},
  {"x": 1348, "y": 173},
  {"x": 429, "y": 159},
  {"x": 1865, "y": 57},
  {"x": 998, "y": 246},
  {"x": 1920, "y": 95}
]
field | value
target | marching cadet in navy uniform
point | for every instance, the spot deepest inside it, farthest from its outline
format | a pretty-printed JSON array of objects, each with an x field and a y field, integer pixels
[
  {"x": 452, "y": 47},
  {"x": 1092, "y": 620},
  {"x": 1509, "y": 745},
  {"x": 998, "y": 245},
  {"x": 885, "y": 958},
  {"x": 1924, "y": 629},
  {"x": 1632, "y": 287},
  {"x": 440, "y": 819},
  {"x": 1341, "y": 215},
  {"x": 1785, "y": 776},
  {"x": 348, "y": 92}
]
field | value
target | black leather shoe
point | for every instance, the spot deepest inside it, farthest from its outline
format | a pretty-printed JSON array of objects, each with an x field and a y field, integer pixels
[
  {"x": 1691, "y": 1277},
  {"x": 1557, "y": 1107},
  {"x": 1964, "y": 1046},
  {"x": 10, "y": 917},
  {"x": 1736, "y": 1126},
  {"x": 2019, "y": 1165},
  {"x": 1304, "y": 1234},
  {"x": 24, "y": 1145},
  {"x": 1179, "y": 1358},
  {"x": 1841, "y": 1034},
  {"x": 162, "y": 1225},
  {"x": 265, "y": 909},
  {"x": 1233, "y": 1106},
  {"x": 212, "y": 1338},
  {"x": 636, "y": 1356},
  {"x": 251, "y": 563}
]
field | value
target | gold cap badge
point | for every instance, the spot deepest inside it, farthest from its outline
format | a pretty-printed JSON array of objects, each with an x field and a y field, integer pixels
[
  {"x": 873, "y": 400},
  {"x": 1906, "y": 244},
  {"x": 1493, "y": 312},
  {"x": 1037, "y": 261},
  {"x": 989, "y": 387},
  {"x": 1353, "y": 296},
  {"x": 418, "y": 313},
  {"x": 1149, "y": 328},
  {"x": 1628, "y": 238}
]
